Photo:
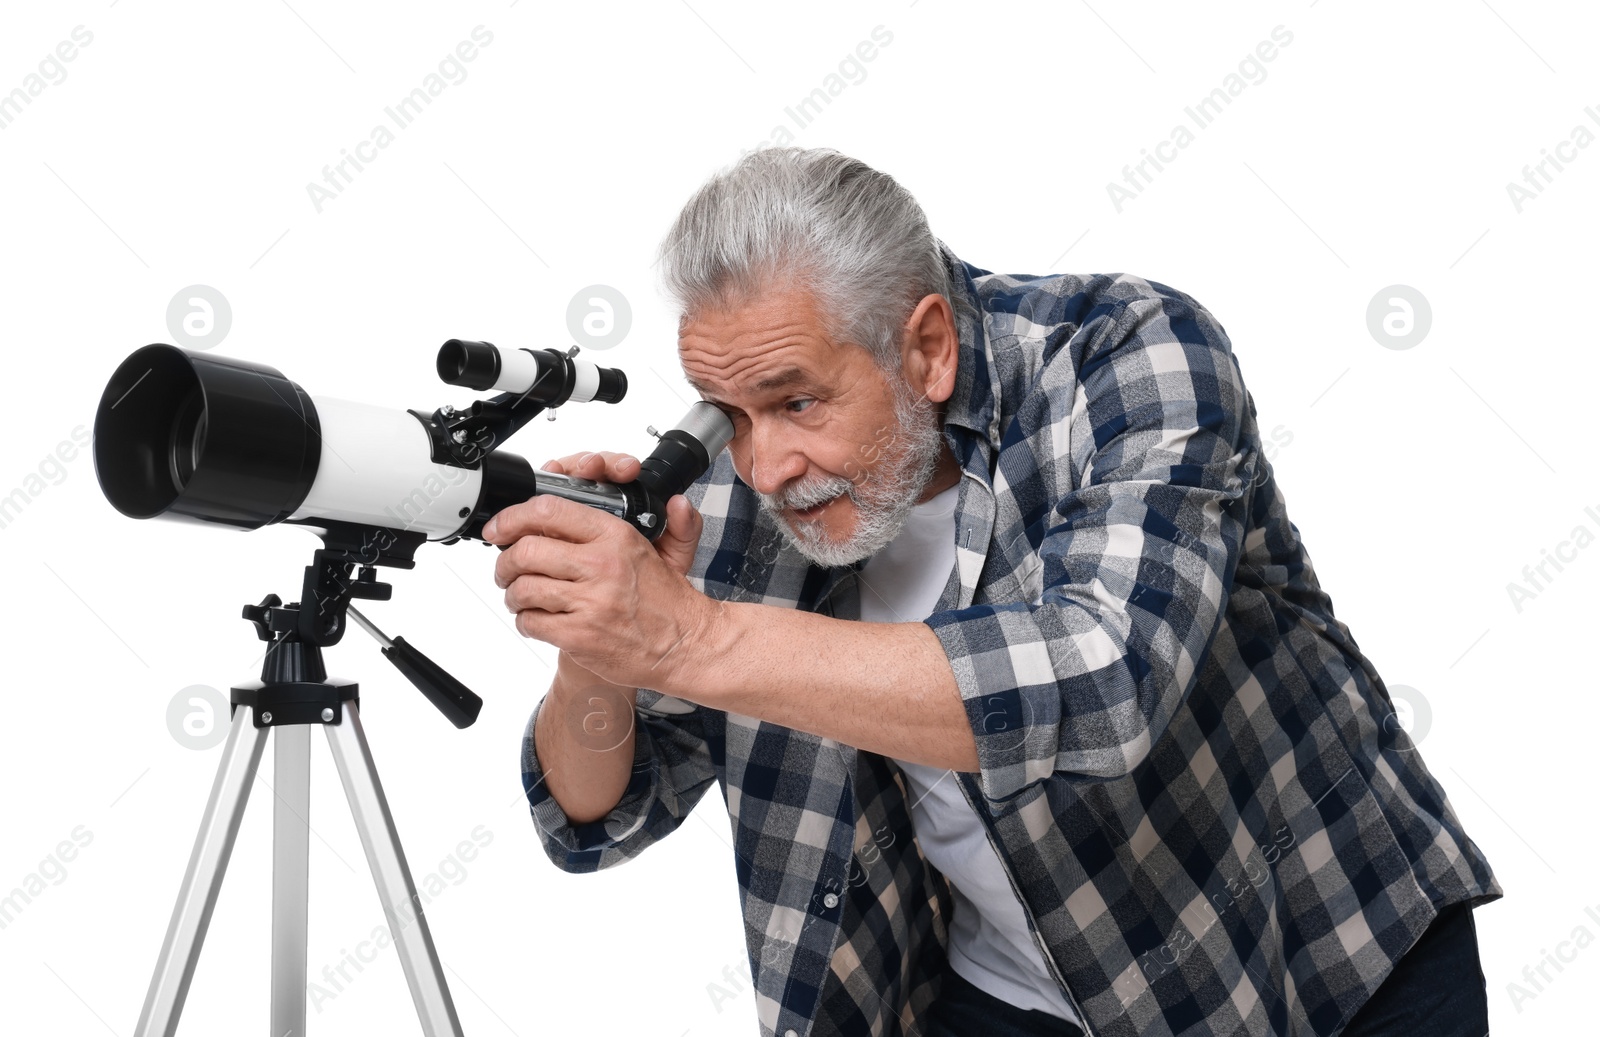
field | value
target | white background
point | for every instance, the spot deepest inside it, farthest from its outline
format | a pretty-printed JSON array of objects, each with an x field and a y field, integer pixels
[{"x": 177, "y": 151}]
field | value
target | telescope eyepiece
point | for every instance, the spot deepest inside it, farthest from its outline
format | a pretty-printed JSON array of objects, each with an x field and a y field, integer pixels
[
  {"x": 475, "y": 365},
  {"x": 613, "y": 385}
]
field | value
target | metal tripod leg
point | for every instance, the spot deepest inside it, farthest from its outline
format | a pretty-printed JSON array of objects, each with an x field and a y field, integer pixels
[
  {"x": 291, "y": 858},
  {"x": 401, "y": 907},
  {"x": 198, "y": 895}
]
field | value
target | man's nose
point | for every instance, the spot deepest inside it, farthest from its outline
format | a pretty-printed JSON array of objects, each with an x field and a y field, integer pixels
[{"x": 773, "y": 462}]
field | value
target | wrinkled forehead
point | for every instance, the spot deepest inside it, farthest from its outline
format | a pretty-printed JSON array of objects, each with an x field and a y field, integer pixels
[{"x": 761, "y": 343}]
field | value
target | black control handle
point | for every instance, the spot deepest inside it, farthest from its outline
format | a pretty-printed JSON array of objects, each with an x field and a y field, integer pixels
[{"x": 452, "y": 698}]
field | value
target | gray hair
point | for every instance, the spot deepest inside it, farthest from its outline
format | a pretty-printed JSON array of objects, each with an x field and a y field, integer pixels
[{"x": 814, "y": 219}]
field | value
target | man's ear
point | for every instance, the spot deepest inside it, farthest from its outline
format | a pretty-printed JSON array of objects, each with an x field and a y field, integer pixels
[{"x": 929, "y": 351}]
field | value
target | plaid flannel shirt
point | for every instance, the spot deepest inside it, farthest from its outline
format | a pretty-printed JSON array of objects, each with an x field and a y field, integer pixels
[{"x": 1190, "y": 772}]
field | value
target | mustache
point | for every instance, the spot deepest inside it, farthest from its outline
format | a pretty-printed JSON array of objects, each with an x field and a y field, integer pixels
[{"x": 808, "y": 494}]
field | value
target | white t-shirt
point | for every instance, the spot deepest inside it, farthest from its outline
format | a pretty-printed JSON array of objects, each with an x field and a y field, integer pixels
[{"x": 990, "y": 943}]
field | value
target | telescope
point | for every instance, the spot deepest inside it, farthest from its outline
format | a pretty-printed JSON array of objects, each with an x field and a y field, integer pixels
[
  {"x": 211, "y": 439},
  {"x": 199, "y": 437}
]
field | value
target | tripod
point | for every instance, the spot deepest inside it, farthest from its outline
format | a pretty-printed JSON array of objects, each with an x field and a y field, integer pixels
[{"x": 293, "y": 694}]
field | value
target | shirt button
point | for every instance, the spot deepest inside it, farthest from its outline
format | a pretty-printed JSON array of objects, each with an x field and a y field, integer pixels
[
  {"x": 830, "y": 900},
  {"x": 790, "y": 1033}
]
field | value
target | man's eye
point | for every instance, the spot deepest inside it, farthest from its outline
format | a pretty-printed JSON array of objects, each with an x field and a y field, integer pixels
[{"x": 799, "y": 406}]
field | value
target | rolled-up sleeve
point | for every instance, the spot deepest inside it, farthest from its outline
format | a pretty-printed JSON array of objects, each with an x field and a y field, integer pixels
[
  {"x": 672, "y": 768},
  {"x": 1140, "y": 436}
]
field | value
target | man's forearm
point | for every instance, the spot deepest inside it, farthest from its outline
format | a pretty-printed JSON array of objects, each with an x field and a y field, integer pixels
[
  {"x": 585, "y": 741},
  {"x": 883, "y": 687}
]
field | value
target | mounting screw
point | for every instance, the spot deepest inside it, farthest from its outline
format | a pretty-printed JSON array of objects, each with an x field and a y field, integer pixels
[
  {"x": 448, "y": 411},
  {"x": 327, "y": 715},
  {"x": 647, "y": 519},
  {"x": 459, "y": 436},
  {"x": 652, "y": 430},
  {"x": 551, "y": 416},
  {"x": 572, "y": 352},
  {"x": 266, "y": 718},
  {"x": 463, "y": 513}
]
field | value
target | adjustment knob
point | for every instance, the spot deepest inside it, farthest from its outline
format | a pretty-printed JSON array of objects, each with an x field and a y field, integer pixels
[{"x": 261, "y": 615}]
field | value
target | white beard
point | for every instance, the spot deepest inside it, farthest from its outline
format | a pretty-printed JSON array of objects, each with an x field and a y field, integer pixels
[{"x": 883, "y": 499}]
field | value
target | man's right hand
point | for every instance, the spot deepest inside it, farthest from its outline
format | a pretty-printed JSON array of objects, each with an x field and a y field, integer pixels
[{"x": 676, "y": 544}]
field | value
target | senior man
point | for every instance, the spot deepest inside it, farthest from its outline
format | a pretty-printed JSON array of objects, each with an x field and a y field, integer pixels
[{"x": 1029, "y": 711}]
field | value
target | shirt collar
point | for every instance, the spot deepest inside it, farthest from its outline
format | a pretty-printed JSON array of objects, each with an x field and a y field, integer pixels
[{"x": 974, "y": 404}]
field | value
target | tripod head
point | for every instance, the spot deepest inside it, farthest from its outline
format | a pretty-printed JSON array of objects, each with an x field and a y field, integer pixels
[{"x": 294, "y": 686}]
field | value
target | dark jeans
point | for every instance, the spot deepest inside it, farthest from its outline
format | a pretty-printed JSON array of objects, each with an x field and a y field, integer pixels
[{"x": 1437, "y": 989}]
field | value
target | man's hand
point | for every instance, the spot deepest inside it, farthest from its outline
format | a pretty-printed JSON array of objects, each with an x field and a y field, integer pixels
[{"x": 588, "y": 583}]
